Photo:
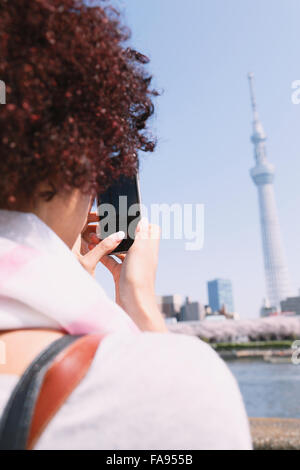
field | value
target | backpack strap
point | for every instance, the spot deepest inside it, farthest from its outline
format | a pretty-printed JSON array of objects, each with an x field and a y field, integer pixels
[
  {"x": 43, "y": 388},
  {"x": 67, "y": 371}
]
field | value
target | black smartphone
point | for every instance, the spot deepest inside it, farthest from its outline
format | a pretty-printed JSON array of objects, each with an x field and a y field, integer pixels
[{"x": 119, "y": 209}]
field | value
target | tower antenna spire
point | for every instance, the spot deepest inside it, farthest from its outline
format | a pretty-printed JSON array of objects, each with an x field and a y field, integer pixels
[
  {"x": 252, "y": 94},
  {"x": 259, "y": 135}
]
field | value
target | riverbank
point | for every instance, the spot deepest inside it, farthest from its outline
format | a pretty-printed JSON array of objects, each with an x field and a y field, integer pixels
[
  {"x": 275, "y": 433},
  {"x": 270, "y": 355},
  {"x": 270, "y": 351}
]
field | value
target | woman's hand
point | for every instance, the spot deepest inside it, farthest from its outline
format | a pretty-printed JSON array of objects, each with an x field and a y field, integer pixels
[
  {"x": 134, "y": 274},
  {"x": 89, "y": 249},
  {"x": 134, "y": 278}
]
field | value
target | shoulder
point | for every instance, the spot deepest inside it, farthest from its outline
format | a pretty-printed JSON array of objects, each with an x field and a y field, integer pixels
[
  {"x": 182, "y": 379},
  {"x": 165, "y": 359},
  {"x": 153, "y": 391},
  {"x": 160, "y": 351}
]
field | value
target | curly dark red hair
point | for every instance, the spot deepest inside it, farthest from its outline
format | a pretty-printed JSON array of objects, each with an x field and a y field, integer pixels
[{"x": 78, "y": 99}]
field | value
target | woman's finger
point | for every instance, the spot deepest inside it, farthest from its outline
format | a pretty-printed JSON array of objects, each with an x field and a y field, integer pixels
[
  {"x": 121, "y": 256},
  {"x": 90, "y": 234},
  {"x": 154, "y": 232},
  {"x": 89, "y": 229},
  {"x": 93, "y": 217},
  {"x": 142, "y": 229},
  {"x": 147, "y": 231},
  {"x": 107, "y": 246},
  {"x": 110, "y": 263}
]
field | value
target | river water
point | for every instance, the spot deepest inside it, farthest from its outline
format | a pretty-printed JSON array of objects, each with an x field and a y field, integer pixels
[{"x": 269, "y": 390}]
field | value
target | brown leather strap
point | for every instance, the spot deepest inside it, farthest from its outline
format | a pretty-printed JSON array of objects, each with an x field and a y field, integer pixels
[{"x": 66, "y": 372}]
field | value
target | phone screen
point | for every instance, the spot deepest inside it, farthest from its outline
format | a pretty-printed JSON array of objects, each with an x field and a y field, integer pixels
[{"x": 119, "y": 208}]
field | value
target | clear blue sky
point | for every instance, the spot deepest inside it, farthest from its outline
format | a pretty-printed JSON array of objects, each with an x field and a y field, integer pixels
[{"x": 201, "y": 51}]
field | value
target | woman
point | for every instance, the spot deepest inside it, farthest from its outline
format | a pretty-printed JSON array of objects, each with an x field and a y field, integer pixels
[{"x": 78, "y": 102}]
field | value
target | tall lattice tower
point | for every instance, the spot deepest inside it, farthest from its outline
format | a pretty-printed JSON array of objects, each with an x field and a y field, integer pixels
[{"x": 276, "y": 270}]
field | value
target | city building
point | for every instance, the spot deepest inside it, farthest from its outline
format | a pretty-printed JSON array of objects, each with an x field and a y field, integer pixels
[
  {"x": 268, "y": 310},
  {"x": 220, "y": 295},
  {"x": 221, "y": 315},
  {"x": 291, "y": 305},
  {"x": 215, "y": 317},
  {"x": 276, "y": 270},
  {"x": 170, "y": 305},
  {"x": 192, "y": 311}
]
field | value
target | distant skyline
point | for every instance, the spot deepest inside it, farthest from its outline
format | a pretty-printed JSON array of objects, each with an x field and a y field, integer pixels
[{"x": 201, "y": 52}]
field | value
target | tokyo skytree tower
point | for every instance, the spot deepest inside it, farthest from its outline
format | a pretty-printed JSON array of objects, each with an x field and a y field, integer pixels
[{"x": 276, "y": 270}]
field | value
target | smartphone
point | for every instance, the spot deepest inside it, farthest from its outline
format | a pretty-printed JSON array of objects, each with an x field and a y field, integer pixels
[{"x": 119, "y": 208}]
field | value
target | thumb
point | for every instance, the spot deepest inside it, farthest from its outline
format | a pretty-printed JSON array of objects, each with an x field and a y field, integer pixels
[{"x": 104, "y": 248}]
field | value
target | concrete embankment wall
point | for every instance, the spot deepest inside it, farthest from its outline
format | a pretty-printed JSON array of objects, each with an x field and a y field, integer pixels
[{"x": 275, "y": 433}]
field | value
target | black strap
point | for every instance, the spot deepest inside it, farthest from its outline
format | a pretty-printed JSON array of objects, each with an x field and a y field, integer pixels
[{"x": 17, "y": 415}]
